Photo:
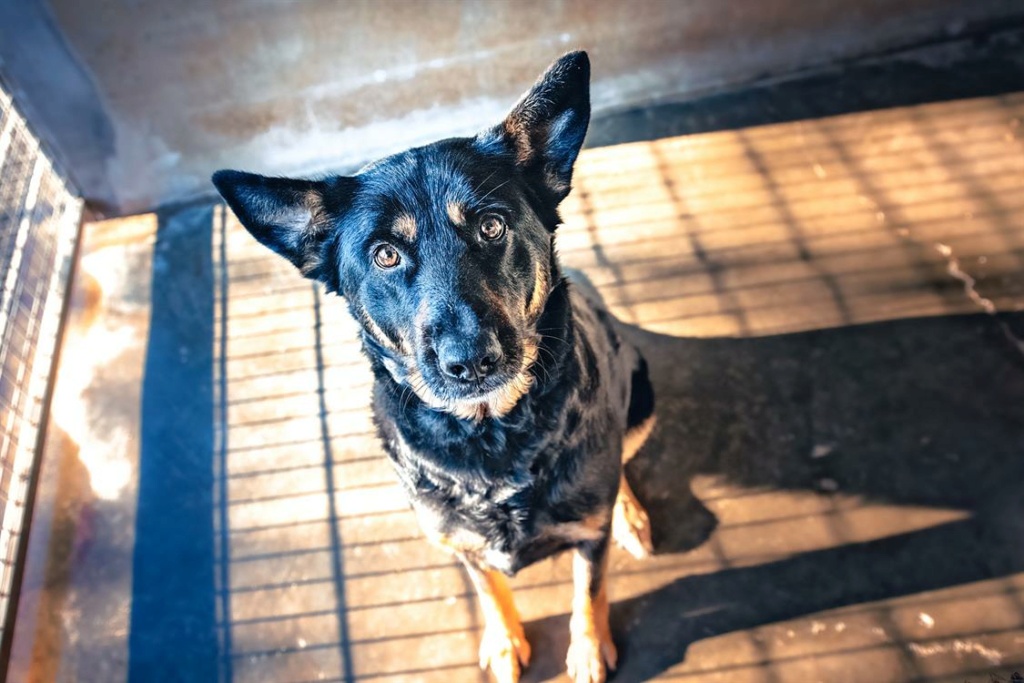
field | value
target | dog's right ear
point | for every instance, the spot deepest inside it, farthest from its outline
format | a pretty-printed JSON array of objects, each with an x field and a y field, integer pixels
[
  {"x": 545, "y": 129},
  {"x": 290, "y": 216}
]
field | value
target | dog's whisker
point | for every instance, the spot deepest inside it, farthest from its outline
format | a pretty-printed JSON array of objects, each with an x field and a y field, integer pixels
[
  {"x": 491, "y": 175},
  {"x": 406, "y": 396},
  {"x": 494, "y": 189},
  {"x": 540, "y": 362}
]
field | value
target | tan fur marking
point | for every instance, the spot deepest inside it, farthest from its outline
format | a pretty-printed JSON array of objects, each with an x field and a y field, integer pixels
[
  {"x": 497, "y": 403},
  {"x": 310, "y": 265},
  {"x": 455, "y": 213},
  {"x": 461, "y": 544},
  {"x": 493, "y": 299},
  {"x": 504, "y": 399},
  {"x": 405, "y": 225},
  {"x": 631, "y": 527},
  {"x": 495, "y": 594},
  {"x": 378, "y": 334},
  {"x": 591, "y": 649},
  {"x": 590, "y": 528},
  {"x": 517, "y": 127},
  {"x": 421, "y": 315},
  {"x": 636, "y": 437},
  {"x": 306, "y": 221},
  {"x": 538, "y": 297},
  {"x": 504, "y": 648}
]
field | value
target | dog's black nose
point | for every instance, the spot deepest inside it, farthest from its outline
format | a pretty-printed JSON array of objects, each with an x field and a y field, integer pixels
[{"x": 469, "y": 359}]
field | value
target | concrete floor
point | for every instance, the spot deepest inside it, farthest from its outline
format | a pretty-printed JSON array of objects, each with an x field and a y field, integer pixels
[{"x": 831, "y": 311}]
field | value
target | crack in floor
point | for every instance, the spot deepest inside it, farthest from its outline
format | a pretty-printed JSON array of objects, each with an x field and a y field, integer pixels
[{"x": 970, "y": 289}]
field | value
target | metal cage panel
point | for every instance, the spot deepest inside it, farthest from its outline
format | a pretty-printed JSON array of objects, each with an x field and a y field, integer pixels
[{"x": 39, "y": 217}]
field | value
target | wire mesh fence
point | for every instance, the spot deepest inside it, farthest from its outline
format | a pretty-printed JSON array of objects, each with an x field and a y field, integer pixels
[{"x": 39, "y": 215}]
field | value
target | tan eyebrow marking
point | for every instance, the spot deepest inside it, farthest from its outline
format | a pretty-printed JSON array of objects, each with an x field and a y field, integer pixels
[
  {"x": 455, "y": 213},
  {"x": 405, "y": 225}
]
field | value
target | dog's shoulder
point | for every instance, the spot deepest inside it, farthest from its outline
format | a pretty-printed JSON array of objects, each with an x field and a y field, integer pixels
[{"x": 597, "y": 325}]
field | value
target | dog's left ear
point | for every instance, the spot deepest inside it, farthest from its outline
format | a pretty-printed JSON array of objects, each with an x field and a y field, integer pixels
[
  {"x": 293, "y": 217},
  {"x": 545, "y": 129}
]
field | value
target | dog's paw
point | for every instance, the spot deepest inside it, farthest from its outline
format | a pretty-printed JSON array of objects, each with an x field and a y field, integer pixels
[
  {"x": 505, "y": 653},
  {"x": 631, "y": 528},
  {"x": 590, "y": 658}
]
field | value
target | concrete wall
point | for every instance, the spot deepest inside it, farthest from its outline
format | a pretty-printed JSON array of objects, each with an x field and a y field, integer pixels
[{"x": 147, "y": 97}]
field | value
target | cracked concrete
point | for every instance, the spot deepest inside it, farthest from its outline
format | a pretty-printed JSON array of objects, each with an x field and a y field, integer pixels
[{"x": 970, "y": 289}]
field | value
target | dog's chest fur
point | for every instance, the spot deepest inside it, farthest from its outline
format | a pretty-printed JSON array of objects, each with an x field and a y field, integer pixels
[{"x": 508, "y": 492}]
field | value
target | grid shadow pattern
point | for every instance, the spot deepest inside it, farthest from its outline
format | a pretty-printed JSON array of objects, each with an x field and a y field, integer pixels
[
  {"x": 812, "y": 225},
  {"x": 317, "y": 548}
]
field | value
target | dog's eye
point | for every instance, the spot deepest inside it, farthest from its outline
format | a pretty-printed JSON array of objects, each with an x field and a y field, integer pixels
[
  {"x": 386, "y": 256},
  {"x": 492, "y": 227}
]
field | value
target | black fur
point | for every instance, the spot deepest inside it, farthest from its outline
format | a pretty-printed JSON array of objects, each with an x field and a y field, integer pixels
[
  {"x": 495, "y": 482},
  {"x": 641, "y": 396}
]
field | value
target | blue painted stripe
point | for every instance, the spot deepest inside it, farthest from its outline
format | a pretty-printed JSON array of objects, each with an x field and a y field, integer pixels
[{"x": 173, "y": 622}]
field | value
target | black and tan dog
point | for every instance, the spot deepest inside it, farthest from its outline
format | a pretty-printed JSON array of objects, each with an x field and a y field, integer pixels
[{"x": 504, "y": 396}]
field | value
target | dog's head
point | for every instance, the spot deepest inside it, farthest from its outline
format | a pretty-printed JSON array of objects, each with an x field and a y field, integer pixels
[{"x": 444, "y": 253}]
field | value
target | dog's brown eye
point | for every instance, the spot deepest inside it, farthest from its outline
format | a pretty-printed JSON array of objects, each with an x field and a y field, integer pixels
[
  {"x": 386, "y": 256},
  {"x": 492, "y": 227}
]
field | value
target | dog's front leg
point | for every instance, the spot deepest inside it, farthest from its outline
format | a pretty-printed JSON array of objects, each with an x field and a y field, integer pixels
[
  {"x": 503, "y": 648},
  {"x": 591, "y": 650}
]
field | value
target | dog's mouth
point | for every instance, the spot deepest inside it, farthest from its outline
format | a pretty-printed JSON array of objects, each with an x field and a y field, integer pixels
[
  {"x": 470, "y": 388},
  {"x": 474, "y": 389},
  {"x": 491, "y": 396}
]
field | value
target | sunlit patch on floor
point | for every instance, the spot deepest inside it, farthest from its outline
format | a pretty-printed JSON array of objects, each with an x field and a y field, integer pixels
[{"x": 760, "y": 249}]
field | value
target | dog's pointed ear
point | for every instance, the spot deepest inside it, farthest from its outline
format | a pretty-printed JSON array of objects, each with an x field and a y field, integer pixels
[
  {"x": 545, "y": 129},
  {"x": 290, "y": 216}
]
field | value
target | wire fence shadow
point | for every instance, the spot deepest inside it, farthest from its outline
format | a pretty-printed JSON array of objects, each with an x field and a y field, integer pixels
[{"x": 812, "y": 297}]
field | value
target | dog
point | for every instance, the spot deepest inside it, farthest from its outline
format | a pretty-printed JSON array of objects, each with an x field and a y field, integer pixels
[{"x": 504, "y": 395}]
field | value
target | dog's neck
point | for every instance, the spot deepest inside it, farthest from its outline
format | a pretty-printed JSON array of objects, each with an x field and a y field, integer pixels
[{"x": 557, "y": 335}]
